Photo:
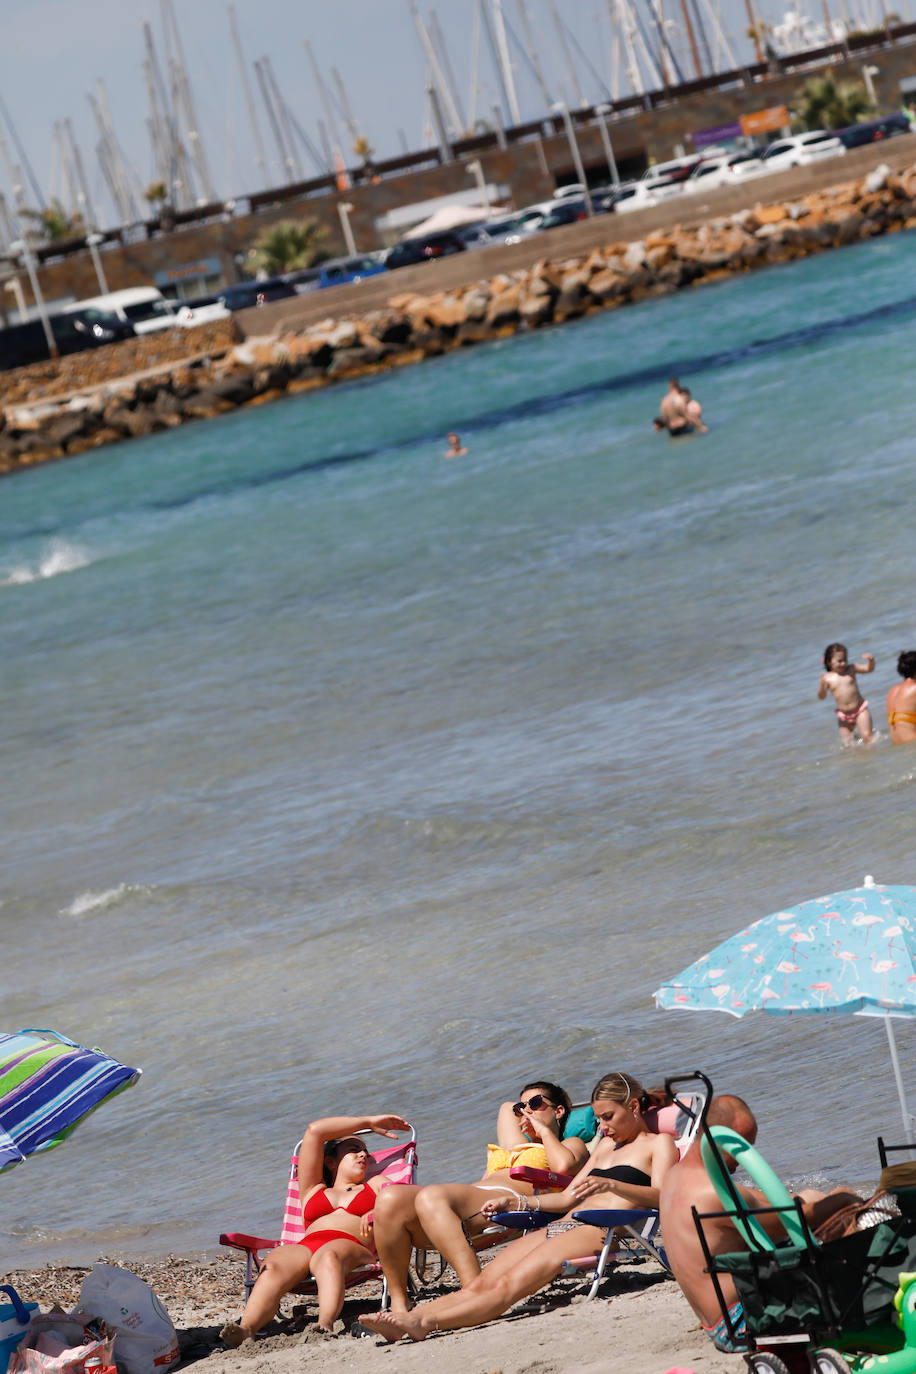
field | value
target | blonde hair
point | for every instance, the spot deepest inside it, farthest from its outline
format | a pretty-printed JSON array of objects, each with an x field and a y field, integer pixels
[{"x": 620, "y": 1087}]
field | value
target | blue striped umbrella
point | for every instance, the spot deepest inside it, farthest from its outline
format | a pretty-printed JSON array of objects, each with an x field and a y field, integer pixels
[
  {"x": 48, "y": 1085},
  {"x": 852, "y": 952}
]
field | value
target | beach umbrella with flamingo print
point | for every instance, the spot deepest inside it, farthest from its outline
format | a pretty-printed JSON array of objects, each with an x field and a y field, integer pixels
[{"x": 852, "y": 952}]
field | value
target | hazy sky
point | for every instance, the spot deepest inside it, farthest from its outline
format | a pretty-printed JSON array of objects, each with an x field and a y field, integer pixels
[{"x": 54, "y": 52}]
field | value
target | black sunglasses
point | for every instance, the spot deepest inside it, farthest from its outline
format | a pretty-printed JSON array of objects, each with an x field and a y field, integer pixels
[{"x": 532, "y": 1105}]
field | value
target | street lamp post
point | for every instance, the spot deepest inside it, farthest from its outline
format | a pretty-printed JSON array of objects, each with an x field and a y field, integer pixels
[
  {"x": 15, "y": 285},
  {"x": 869, "y": 72},
  {"x": 21, "y": 247},
  {"x": 562, "y": 108},
  {"x": 475, "y": 170},
  {"x": 344, "y": 209},
  {"x": 602, "y": 111},
  {"x": 92, "y": 243}
]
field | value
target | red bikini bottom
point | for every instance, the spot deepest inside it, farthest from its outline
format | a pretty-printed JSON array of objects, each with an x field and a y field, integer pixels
[{"x": 315, "y": 1241}]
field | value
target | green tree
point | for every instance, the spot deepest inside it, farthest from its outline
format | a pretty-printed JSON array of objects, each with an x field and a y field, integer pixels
[
  {"x": 286, "y": 245},
  {"x": 53, "y": 224},
  {"x": 156, "y": 194},
  {"x": 824, "y": 103}
]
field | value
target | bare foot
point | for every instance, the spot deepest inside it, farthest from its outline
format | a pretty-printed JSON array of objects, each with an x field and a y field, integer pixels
[
  {"x": 394, "y": 1325},
  {"x": 232, "y": 1335}
]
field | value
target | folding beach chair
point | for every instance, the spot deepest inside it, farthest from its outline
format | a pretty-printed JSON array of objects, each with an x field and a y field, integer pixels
[{"x": 397, "y": 1164}]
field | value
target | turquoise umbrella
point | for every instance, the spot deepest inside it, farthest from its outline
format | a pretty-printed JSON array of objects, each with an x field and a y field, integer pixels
[{"x": 852, "y": 952}]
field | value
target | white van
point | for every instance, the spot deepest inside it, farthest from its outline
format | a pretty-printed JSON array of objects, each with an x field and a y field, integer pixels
[{"x": 130, "y": 304}]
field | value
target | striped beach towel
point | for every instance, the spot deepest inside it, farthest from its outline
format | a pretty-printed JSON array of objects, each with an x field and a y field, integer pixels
[{"x": 48, "y": 1085}]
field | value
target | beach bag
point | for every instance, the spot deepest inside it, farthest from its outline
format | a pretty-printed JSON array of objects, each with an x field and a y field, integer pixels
[
  {"x": 58, "y": 1343},
  {"x": 144, "y": 1337},
  {"x": 859, "y": 1216},
  {"x": 15, "y": 1317}
]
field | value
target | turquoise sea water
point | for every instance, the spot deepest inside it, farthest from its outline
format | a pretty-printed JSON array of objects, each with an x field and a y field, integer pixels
[{"x": 340, "y": 776}]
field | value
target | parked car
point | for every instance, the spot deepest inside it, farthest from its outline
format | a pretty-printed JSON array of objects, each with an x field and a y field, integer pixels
[
  {"x": 425, "y": 248},
  {"x": 634, "y": 195},
  {"x": 874, "y": 129},
  {"x": 338, "y": 270},
  {"x": 168, "y": 314},
  {"x": 798, "y": 150},
  {"x": 489, "y": 231},
  {"x": 129, "y": 303},
  {"x": 96, "y": 327},
  {"x": 247, "y": 293},
  {"x": 73, "y": 331},
  {"x": 716, "y": 171},
  {"x": 303, "y": 279},
  {"x": 672, "y": 173},
  {"x": 550, "y": 214}
]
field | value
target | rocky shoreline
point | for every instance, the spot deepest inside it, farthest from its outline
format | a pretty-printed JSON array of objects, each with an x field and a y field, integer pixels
[{"x": 51, "y": 411}]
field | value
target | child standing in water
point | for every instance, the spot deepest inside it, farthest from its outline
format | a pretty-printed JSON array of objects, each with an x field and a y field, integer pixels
[{"x": 839, "y": 678}]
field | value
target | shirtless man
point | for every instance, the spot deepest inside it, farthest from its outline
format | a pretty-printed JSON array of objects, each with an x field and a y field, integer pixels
[
  {"x": 901, "y": 701},
  {"x": 839, "y": 677},
  {"x": 672, "y": 410},
  {"x": 688, "y": 1185}
]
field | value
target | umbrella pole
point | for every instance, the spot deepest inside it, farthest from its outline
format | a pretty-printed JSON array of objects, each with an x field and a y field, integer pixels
[{"x": 898, "y": 1078}]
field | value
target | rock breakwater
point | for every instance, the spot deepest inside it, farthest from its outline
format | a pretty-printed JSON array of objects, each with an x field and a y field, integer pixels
[{"x": 55, "y": 410}]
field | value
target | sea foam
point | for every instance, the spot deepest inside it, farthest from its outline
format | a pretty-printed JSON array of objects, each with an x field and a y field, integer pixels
[
  {"x": 57, "y": 557},
  {"x": 88, "y": 902}
]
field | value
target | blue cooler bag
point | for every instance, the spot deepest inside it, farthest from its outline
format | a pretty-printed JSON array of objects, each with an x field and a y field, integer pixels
[{"x": 15, "y": 1316}]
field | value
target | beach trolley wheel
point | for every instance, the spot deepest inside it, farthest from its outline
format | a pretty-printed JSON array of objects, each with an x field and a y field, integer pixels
[
  {"x": 764, "y": 1362},
  {"x": 828, "y": 1362}
]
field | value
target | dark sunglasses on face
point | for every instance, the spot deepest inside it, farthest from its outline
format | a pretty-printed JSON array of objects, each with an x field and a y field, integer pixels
[{"x": 533, "y": 1104}]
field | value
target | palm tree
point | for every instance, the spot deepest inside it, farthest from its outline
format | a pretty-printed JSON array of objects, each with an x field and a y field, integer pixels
[
  {"x": 53, "y": 224},
  {"x": 823, "y": 103},
  {"x": 286, "y": 245}
]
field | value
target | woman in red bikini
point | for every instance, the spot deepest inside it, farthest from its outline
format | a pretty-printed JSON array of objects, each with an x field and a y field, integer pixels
[{"x": 336, "y": 1199}]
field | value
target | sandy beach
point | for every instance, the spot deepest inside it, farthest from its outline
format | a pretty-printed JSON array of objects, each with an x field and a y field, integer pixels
[{"x": 641, "y": 1323}]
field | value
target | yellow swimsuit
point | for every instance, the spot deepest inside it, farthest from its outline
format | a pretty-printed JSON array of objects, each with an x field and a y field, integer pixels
[
  {"x": 901, "y": 717},
  {"x": 534, "y": 1156}
]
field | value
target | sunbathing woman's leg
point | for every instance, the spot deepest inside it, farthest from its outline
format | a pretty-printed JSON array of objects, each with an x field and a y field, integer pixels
[
  {"x": 441, "y": 1209},
  {"x": 330, "y": 1267},
  {"x": 284, "y": 1267},
  {"x": 396, "y": 1230},
  {"x": 524, "y": 1267}
]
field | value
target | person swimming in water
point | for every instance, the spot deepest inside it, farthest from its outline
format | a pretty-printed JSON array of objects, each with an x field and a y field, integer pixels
[
  {"x": 901, "y": 701},
  {"x": 455, "y": 449}
]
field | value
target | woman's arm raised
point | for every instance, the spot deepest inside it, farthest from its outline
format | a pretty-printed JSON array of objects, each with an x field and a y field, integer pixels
[{"x": 318, "y": 1133}]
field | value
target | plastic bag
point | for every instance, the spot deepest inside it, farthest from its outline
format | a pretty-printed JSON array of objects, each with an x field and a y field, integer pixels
[
  {"x": 59, "y": 1344},
  {"x": 145, "y": 1339}
]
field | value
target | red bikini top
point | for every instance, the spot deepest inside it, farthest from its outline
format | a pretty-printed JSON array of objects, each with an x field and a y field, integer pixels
[{"x": 320, "y": 1205}]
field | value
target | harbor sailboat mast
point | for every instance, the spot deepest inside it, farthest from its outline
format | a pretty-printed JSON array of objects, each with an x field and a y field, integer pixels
[{"x": 249, "y": 99}]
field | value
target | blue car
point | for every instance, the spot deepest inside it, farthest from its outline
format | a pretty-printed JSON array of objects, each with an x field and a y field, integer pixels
[{"x": 338, "y": 270}]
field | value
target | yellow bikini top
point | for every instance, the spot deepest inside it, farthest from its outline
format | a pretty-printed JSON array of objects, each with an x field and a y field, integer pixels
[{"x": 534, "y": 1156}]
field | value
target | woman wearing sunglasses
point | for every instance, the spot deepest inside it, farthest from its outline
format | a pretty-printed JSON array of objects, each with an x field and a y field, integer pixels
[{"x": 446, "y": 1216}]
